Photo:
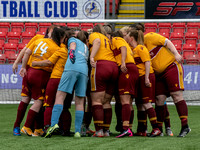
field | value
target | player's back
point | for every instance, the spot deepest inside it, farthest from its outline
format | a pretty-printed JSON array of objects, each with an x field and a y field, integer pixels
[
  {"x": 105, "y": 52},
  {"x": 59, "y": 59},
  {"x": 141, "y": 55},
  {"x": 117, "y": 43},
  {"x": 161, "y": 56},
  {"x": 81, "y": 54},
  {"x": 42, "y": 49}
]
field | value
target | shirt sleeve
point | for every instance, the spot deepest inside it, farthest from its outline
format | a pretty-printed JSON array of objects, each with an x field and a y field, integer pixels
[
  {"x": 92, "y": 37},
  {"x": 37, "y": 36},
  {"x": 158, "y": 39},
  {"x": 119, "y": 42},
  {"x": 54, "y": 58},
  {"x": 31, "y": 47},
  {"x": 144, "y": 53},
  {"x": 70, "y": 41}
]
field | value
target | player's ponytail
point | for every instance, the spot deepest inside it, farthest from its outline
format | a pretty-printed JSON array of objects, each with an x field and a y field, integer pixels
[
  {"x": 57, "y": 35},
  {"x": 108, "y": 30},
  {"x": 138, "y": 36},
  {"x": 140, "y": 39},
  {"x": 137, "y": 26},
  {"x": 68, "y": 35}
]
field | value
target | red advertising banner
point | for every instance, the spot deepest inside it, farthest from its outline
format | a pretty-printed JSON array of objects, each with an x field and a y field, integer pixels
[{"x": 172, "y": 9}]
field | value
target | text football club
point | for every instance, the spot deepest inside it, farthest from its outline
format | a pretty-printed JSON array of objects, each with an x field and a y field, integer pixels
[{"x": 49, "y": 9}]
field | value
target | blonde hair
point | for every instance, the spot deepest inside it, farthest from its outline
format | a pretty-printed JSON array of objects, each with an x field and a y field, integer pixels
[
  {"x": 108, "y": 28},
  {"x": 125, "y": 30}
]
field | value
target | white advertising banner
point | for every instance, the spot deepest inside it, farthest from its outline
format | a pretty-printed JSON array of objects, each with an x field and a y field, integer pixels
[{"x": 52, "y": 9}]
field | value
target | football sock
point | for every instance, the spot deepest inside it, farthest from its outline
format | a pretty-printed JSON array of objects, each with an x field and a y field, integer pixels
[
  {"x": 20, "y": 113},
  {"x": 167, "y": 118},
  {"x": 65, "y": 120},
  {"x": 107, "y": 118},
  {"x": 142, "y": 121},
  {"x": 39, "y": 120},
  {"x": 182, "y": 110},
  {"x": 160, "y": 113},
  {"x": 87, "y": 118},
  {"x": 131, "y": 119},
  {"x": 118, "y": 112},
  {"x": 98, "y": 116},
  {"x": 152, "y": 117},
  {"x": 56, "y": 112},
  {"x": 47, "y": 115},
  {"x": 30, "y": 118},
  {"x": 78, "y": 120},
  {"x": 126, "y": 113}
]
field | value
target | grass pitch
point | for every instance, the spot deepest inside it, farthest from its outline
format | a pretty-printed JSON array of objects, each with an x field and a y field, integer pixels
[{"x": 190, "y": 142}]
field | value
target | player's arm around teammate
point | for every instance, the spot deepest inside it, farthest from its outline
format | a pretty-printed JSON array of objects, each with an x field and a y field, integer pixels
[
  {"x": 22, "y": 52},
  {"x": 25, "y": 93},
  {"x": 41, "y": 49},
  {"x": 169, "y": 77},
  {"x": 155, "y": 46},
  {"x": 58, "y": 59}
]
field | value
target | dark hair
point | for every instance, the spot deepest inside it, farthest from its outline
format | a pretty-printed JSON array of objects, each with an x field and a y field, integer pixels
[
  {"x": 138, "y": 36},
  {"x": 137, "y": 26},
  {"x": 57, "y": 35},
  {"x": 48, "y": 29},
  {"x": 81, "y": 36},
  {"x": 109, "y": 25},
  {"x": 69, "y": 34},
  {"x": 65, "y": 28},
  {"x": 99, "y": 28},
  {"x": 117, "y": 34},
  {"x": 46, "y": 33},
  {"x": 75, "y": 28},
  {"x": 86, "y": 34}
]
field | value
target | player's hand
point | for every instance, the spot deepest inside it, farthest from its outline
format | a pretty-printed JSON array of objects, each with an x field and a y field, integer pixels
[
  {"x": 22, "y": 72},
  {"x": 178, "y": 58},
  {"x": 123, "y": 68},
  {"x": 92, "y": 62},
  {"x": 14, "y": 68},
  {"x": 34, "y": 63},
  {"x": 147, "y": 83}
]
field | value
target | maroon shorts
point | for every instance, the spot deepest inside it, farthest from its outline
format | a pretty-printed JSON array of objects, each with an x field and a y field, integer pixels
[
  {"x": 171, "y": 80},
  {"x": 146, "y": 94},
  {"x": 37, "y": 82},
  {"x": 25, "y": 88},
  {"x": 104, "y": 76},
  {"x": 127, "y": 83},
  {"x": 50, "y": 92}
]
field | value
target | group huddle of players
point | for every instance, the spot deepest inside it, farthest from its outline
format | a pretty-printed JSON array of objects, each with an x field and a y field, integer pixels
[{"x": 96, "y": 66}]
